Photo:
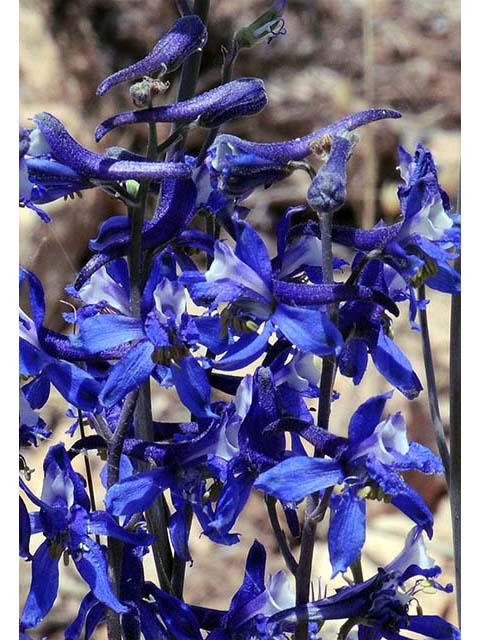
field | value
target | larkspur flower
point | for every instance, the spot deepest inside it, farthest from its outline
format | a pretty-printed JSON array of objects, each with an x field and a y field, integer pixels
[
  {"x": 367, "y": 464},
  {"x": 47, "y": 357},
  {"x": 64, "y": 517},
  {"x": 380, "y": 605},
  {"x": 158, "y": 343},
  {"x": 244, "y": 281}
]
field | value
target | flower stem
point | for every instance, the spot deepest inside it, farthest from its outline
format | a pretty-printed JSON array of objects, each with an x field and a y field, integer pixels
[
  {"x": 455, "y": 429},
  {"x": 432, "y": 389},
  {"x": 280, "y": 535},
  {"x": 115, "y": 547},
  {"x": 190, "y": 72},
  {"x": 315, "y": 510}
]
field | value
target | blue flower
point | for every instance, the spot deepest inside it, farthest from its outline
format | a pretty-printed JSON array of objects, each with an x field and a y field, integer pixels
[
  {"x": 158, "y": 343},
  {"x": 380, "y": 605},
  {"x": 256, "y": 301},
  {"x": 43, "y": 179},
  {"x": 32, "y": 426},
  {"x": 368, "y": 330},
  {"x": 46, "y": 356},
  {"x": 367, "y": 464},
  {"x": 67, "y": 523}
]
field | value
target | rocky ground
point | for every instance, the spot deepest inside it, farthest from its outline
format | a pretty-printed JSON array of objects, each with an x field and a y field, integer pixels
[{"x": 313, "y": 75}]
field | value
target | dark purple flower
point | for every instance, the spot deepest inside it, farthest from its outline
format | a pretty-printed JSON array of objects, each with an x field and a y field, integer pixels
[
  {"x": 186, "y": 36},
  {"x": 61, "y": 147},
  {"x": 242, "y": 97}
]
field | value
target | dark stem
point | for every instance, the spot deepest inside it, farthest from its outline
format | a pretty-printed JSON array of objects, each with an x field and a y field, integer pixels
[
  {"x": 229, "y": 57},
  {"x": 88, "y": 471},
  {"x": 432, "y": 389},
  {"x": 157, "y": 515},
  {"x": 315, "y": 511},
  {"x": 190, "y": 72},
  {"x": 455, "y": 429},
  {"x": 356, "y": 569},
  {"x": 184, "y": 8},
  {"x": 179, "y": 565},
  {"x": 115, "y": 547},
  {"x": 280, "y": 535}
]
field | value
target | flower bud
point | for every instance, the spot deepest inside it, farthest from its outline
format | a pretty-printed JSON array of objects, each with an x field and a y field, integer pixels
[
  {"x": 187, "y": 35},
  {"x": 242, "y": 97},
  {"x": 270, "y": 24},
  {"x": 327, "y": 192}
]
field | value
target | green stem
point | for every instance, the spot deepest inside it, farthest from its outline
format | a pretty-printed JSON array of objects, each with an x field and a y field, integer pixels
[
  {"x": 432, "y": 389},
  {"x": 229, "y": 58}
]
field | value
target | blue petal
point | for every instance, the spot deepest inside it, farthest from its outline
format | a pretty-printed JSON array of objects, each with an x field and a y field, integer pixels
[
  {"x": 366, "y": 417},
  {"x": 177, "y": 616},
  {"x": 254, "y": 579},
  {"x": 136, "y": 493},
  {"x": 129, "y": 373},
  {"x": 193, "y": 386},
  {"x": 43, "y": 589},
  {"x": 252, "y": 250},
  {"x": 354, "y": 359},
  {"x": 415, "y": 507},
  {"x": 74, "y": 630},
  {"x": 346, "y": 535},
  {"x": 32, "y": 360},
  {"x": 246, "y": 350},
  {"x": 233, "y": 497},
  {"x": 75, "y": 385},
  {"x": 101, "y": 332},
  {"x": 102, "y": 524},
  {"x": 395, "y": 367},
  {"x": 92, "y": 566},
  {"x": 433, "y": 627},
  {"x": 25, "y": 531},
  {"x": 310, "y": 330},
  {"x": 310, "y": 474}
]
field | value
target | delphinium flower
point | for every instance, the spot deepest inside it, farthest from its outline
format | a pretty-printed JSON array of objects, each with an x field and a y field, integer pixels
[
  {"x": 53, "y": 165},
  {"x": 243, "y": 280},
  {"x": 242, "y": 97},
  {"x": 379, "y": 606},
  {"x": 421, "y": 246},
  {"x": 65, "y": 519},
  {"x": 159, "y": 343},
  {"x": 46, "y": 357},
  {"x": 32, "y": 426},
  {"x": 365, "y": 465},
  {"x": 228, "y": 450}
]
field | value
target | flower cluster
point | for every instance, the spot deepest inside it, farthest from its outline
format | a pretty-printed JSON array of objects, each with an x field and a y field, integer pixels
[{"x": 163, "y": 303}]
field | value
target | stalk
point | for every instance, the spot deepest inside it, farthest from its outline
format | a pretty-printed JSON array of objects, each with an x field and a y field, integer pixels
[
  {"x": 432, "y": 389},
  {"x": 190, "y": 72},
  {"x": 455, "y": 430},
  {"x": 315, "y": 510},
  {"x": 115, "y": 547}
]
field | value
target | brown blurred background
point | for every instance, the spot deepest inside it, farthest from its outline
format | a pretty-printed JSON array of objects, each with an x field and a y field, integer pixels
[{"x": 338, "y": 56}]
